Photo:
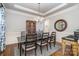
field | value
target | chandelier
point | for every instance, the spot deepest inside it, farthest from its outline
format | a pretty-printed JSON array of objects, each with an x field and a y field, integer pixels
[{"x": 39, "y": 18}]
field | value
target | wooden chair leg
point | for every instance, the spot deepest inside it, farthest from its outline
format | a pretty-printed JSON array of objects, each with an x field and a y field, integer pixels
[
  {"x": 35, "y": 51},
  {"x": 20, "y": 49},
  {"x": 20, "y": 52},
  {"x": 25, "y": 52},
  {"x": 41, "y": 49},
  {"x": 50, "y": 45},
  {"x": 47, "y": 47},
  {"x": 18, "y": 45},
  {"x": 54, "y": 43}
]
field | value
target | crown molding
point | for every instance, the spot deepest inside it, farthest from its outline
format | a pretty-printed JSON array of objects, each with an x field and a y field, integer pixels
[
  {"x": 27, "y": 9},
  {"x": 65, "y": 10},
  {"x": 18, "y": 12},
  {"x": 55, "y": 8}
]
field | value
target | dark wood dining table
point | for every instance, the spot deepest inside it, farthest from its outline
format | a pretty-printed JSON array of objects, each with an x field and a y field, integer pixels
[{"x": 22, "y": 40}]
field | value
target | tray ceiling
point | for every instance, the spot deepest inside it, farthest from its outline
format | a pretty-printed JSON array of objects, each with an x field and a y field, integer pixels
[{"x": 33, "y": 8}]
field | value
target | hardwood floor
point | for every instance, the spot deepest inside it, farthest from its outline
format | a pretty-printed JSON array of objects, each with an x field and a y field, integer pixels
[{"x": 10, "y": 48}]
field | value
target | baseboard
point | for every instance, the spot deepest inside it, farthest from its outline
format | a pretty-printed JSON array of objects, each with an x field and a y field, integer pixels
[{"x": 12, "y": 44}]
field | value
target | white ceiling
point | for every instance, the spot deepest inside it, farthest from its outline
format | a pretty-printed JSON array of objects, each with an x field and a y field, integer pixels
[
  {"x": 44, "y": 7},
  {"x": 33, "y": 8}
]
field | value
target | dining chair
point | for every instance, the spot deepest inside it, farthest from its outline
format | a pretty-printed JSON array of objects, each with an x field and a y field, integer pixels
[
  {"x": 43, "y": 41},
  {"x": 30, "y": 43},
  {"x": 52, "y": 39}
]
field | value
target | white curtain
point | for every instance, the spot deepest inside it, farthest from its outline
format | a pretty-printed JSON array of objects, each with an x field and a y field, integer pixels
[{"x": 2, "y": 29}]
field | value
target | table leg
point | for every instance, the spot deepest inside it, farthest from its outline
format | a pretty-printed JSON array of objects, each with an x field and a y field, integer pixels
[{"x": 20, "y": 49}]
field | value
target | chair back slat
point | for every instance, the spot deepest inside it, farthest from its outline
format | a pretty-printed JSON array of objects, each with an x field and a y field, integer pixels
[
  {"x": 45, "y": 35},
  {"x": 44, "y": 38},
  {"x": 53, "y": 35},
  {"x": 31, "y": 37}
]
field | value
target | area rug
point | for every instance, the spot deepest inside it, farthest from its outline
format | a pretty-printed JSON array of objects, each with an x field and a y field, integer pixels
[{"x": 45, "y": 52}]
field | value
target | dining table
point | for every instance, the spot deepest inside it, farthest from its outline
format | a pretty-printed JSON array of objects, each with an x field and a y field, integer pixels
[{"x": 22, "y": 40}]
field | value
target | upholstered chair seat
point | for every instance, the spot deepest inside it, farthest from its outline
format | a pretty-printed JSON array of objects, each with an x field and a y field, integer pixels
[{"x": 29, "y": 47}]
